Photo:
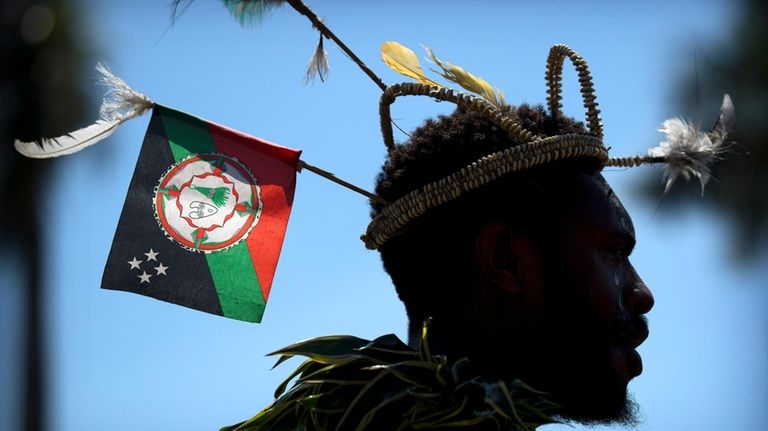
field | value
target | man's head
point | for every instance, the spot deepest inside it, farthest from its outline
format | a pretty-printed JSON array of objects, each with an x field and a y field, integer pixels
[{"x": 527, "y": 276}]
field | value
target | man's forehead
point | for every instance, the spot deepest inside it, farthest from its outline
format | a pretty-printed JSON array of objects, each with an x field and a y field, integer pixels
[{"x": 601, "y": 208}]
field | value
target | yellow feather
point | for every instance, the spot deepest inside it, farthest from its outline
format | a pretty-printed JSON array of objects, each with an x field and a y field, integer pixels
[
  {"x": 403, "y": 61},
  {"x": 467, "y": 80}
]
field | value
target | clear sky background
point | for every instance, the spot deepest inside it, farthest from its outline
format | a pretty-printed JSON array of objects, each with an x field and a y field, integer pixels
[{"x": 120, "y": 361}]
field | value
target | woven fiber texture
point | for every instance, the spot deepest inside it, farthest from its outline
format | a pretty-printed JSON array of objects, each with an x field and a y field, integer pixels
[{"x": 532, "y": 150}]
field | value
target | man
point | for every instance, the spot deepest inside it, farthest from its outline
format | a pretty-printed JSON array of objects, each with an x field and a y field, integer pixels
[
  {"x": 497, "y": 228},
  {"x": 528, "y": 276}
]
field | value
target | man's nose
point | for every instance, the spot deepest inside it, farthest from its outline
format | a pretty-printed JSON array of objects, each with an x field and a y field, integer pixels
[{"x": 638, "y": 298}]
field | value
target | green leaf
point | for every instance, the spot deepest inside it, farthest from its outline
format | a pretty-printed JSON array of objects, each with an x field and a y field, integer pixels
[
  {"x": 231, "y": 427},
  {"x": 306, "y": 365},
  {"x": 368, "y": 418},
  {"x": 340, "y": 382},
  {"x": 388, "y": 341},
  {"x": 458, "y": 368},
  {"x": 417, "y": 373},
  {"x": 440, "y": 416},
  {"x": 510, "y": 404},
  {"x": 424, "y": 353},
  {"x": 350, "y": 370},
  {"x": 328, "y": 350},
  {"x": 458, "y": 423},
  {"x": 327, "y": 403},
  {"x": 280, "y": 360},
  {"x": 381, "y": 387},
  {"x": 387, "y": 349}
]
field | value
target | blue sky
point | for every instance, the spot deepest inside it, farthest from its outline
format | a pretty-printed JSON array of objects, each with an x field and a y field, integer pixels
[{"x": 126, "y": 362}]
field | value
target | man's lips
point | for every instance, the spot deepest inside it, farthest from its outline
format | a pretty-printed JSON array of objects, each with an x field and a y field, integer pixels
[
  {"x": 636, "y": 338},
  {"x": 631, "y": 341}
]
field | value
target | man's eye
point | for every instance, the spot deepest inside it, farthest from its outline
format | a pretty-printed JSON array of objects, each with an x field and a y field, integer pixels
[{"x": 618, "y": 253}]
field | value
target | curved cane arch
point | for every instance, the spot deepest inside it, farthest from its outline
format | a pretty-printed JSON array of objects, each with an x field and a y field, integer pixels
[{"x": 554, "y": 77}]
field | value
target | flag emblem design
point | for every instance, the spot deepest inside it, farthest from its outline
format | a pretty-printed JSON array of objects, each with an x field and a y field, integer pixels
[
  {"x": 207, "y": 202},
  {"x": 204, "y": 218}
]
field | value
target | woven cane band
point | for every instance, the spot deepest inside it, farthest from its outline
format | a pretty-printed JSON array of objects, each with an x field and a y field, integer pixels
[{"x": 396, "y": 215}]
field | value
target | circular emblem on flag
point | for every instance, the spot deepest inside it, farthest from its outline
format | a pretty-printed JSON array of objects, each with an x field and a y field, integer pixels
[{"x": 207, "y": 202}]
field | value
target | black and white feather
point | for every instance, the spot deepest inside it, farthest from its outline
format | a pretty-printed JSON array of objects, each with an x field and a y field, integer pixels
[
  {"x": 120, "y": 104},
  {"x": 690, "y": 152}
]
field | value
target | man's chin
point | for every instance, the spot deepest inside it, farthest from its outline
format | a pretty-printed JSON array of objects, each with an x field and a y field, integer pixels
[
  {"x": 626, "y": 362},
  {"x": 600, "y": 409},
  {"x": 594, "y": 395}
]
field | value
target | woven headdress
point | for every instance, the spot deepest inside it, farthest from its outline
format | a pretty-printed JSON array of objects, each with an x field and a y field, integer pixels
[{"x": 687, "y": 151}]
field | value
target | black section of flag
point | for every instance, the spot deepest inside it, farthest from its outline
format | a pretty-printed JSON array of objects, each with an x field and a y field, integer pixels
[{"x": 165, "y": 271}]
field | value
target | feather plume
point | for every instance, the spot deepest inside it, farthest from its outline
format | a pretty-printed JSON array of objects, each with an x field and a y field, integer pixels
[
  {"x": 404, "y": 61},
  {"x": 318, "y": 64},
  {"x": 688, "y": 151},
  {"x": 120, "y": 100},
  {"x": 250, "y": 12},
  {"x": 725, "y": 120},
  {"x": 467, "y": 80},
  {"x": 121, "y": 103}
]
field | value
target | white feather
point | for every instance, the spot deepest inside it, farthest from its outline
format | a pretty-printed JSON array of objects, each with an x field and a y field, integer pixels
[
  {"x": 725, "y": 121},
  {"x": 120, "y": 99},
  {"x": 69, "y": 143},
  {"x": 318, "y": 65},
  {"x": 120, "y": 104},
  {"x": 688, "y": 151}
]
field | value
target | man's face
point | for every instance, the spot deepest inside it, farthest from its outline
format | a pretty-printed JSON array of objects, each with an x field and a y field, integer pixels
[{"x": 591, "y": 318}]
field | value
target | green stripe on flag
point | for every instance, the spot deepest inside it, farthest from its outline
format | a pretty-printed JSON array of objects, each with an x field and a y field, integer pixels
[
  {"x": 185, "y": 134},
  {"x": 237, "y": 283}
]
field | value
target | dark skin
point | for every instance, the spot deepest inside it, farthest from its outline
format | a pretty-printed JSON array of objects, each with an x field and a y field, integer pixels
[{"x": 562, "y": 311}]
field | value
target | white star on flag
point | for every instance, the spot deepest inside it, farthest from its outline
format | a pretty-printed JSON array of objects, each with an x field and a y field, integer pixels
[
  {"x": 135, "y": 263},
  {"x": 144, "y": 277},
  {"x": 161, "y": 269},
  {"x": 151, "y": 255}
]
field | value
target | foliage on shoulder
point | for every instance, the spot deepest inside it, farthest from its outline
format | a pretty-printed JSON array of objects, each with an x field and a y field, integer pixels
[{"x": 348, "y": 383}]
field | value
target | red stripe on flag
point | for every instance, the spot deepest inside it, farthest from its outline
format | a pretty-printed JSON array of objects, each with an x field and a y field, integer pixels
[{"x": 274, "y": 167}]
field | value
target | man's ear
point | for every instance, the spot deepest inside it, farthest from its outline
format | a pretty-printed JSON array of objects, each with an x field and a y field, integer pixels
[{"x": 502, "y": 255}]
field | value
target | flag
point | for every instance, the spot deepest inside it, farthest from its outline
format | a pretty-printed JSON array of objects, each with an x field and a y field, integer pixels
[{"x": 204, "y": 218}]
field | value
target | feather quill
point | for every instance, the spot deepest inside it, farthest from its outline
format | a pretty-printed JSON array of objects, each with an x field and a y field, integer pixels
[
  {"x": 318, "y": 65},
  {"x": 404, "y": 61},
  {"x": 250, "y": 12},
  {"x": 120, "y": 104},
  {"x": 467, "y": 80},
  {"x": 690, "y": 152}
]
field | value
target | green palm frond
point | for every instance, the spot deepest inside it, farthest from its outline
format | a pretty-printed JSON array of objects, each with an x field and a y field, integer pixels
[
  {"x": 249, "y": 12},
  {"x": 348, "y": 383}
]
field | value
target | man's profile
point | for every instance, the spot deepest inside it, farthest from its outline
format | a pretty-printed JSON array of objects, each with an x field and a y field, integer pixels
[
  {"x": 527, "y": 277},
  {"x": 510, "y": 253}
]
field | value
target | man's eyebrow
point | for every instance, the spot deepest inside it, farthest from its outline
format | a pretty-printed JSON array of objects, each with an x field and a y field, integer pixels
[{"x": 627, "y": 237}]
